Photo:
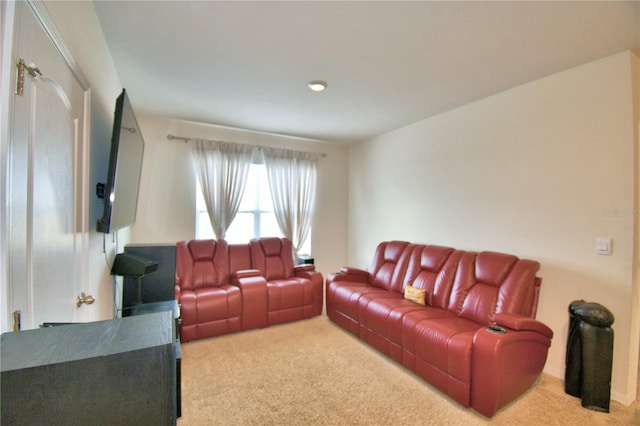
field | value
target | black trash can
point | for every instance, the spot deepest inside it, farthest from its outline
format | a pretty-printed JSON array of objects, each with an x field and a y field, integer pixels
[{"x": 589, "y": 358}]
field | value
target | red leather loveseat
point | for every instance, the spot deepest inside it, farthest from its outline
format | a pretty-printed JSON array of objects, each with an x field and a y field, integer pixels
[
  {"x": 223, "y": 288},
  {"x": 475, "y": 338}
]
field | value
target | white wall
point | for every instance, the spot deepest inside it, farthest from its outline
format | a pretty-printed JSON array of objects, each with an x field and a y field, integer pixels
[
  {"x": 166, "y": 208},
  {"x": 539, "y": 171}
]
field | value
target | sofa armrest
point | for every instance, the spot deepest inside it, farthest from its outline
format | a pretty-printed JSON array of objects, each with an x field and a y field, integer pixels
[
  {"x": 244, "y": 273},
  {"x": 505, "y": 363},
  {"x": 311, "y": 274},
  {"x": 304, "y": 267},
  {"x": 522, "y": 323},
  {"x": 354, "y": 271},
  {"x": 254, "y": 297},
  {"x": 178, "y": 282},
  {"x": 316, "y": 280},
  {"x": 348, "y": 273},
  {"x": 188, "y": 315}
]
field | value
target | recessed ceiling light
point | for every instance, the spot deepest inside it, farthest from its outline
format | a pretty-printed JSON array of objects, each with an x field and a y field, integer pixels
[{"x": 317, "y": 85}]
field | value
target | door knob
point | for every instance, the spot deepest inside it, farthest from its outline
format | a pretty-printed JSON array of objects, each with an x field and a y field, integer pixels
[{"x": 83, "y": 298}]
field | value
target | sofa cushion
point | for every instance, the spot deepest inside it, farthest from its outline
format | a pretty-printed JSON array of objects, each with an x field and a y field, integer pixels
[
  {"x": 384, "y": 315},
  {"x": 443, "y": 355},
  {"x": 518, "y": 293},
  {"x": 344, "y": 296},
  {"x": 435, "y": 343},
  {"x": 217, "y": 303},
  {"x": 210, "y": 311},
  {"x": 289, "y": 293},
  {"x": 389, "y": 265},
  {"x": 273, "y": 257},
  {"x": 202, "y": 263},
  {"x": 490, "y": 282},
  {"x": 433, "y": 268},
  {"x": 407, "y": 323},
  {"x": 291, "y": 299},
  {"x": 492, "y": 268}
]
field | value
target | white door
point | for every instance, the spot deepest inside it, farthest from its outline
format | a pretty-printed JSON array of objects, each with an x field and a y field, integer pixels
[{"x": 46, "y": 202}]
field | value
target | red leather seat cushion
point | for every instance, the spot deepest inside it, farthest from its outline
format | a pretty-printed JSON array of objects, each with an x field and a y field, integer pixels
[
  {"x": 384, "y": 315},
  {"x": 217, "y": 303},
  {"x": 446, "y": 344},
  {"x": 443, "y": 355},
  {"x": 289, "y": 293},
  {"x": 345, "y": 296}
]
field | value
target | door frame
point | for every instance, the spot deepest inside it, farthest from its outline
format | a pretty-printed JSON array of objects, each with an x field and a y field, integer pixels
[{"x": 8, "y": 16}]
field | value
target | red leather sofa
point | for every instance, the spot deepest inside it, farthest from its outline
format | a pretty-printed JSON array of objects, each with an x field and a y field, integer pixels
[
  {"x": 224, "y": 288},
  {"x": 475, "y": 338}
]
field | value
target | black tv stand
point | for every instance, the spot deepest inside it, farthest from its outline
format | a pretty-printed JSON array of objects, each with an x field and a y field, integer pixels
[{"x": 92, "y": 366}]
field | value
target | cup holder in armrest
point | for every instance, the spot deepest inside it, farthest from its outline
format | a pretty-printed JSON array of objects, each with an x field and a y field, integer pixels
[{"x": 496, "y": 329}]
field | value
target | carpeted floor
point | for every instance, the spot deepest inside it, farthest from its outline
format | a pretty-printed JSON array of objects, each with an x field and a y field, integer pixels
[{"x": 312, "y": 372}]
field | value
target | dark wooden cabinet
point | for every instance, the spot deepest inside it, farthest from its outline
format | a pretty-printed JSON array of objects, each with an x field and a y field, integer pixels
[
  {"x": 173, "y": 307},
  {"x": 120, "y": 371}
]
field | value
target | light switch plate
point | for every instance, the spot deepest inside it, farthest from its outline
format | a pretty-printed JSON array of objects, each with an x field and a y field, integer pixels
[{"x": 603, "y": 246}]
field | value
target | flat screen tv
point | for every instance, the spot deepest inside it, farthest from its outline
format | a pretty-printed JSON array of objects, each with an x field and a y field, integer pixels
[{"x": 120, "y": 193}]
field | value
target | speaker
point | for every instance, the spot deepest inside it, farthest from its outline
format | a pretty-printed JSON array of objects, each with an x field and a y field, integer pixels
[
  {"x": 156, "y": 287},
  {"x": 131, "y": 265},
  {"x": 304, "y": 259}
]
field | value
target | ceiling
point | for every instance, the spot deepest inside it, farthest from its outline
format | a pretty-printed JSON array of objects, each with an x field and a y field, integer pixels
[{"x": 387, "y": 64}]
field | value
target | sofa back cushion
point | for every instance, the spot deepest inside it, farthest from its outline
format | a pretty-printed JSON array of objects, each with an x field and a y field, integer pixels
[
  {"x": 490, "y": 282},
  {"x": 202, "y": 263},
  {"x": 239, "y": 257},
  {"x": 433, "y": 268},
  {"x": 273, "y": 257},
  {"x": 519, "y": 292},
  {"x": 389, "y": 265}
]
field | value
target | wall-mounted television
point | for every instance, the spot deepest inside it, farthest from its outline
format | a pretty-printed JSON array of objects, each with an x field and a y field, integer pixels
[{"x": 120, "y": 192}]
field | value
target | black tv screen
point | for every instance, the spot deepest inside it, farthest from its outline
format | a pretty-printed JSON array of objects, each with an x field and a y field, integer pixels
[{"x": 125, "y": 164}]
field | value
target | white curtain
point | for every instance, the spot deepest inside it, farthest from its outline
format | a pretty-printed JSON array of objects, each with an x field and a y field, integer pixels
[
  {"x": 222, "y": 170},
  {"x": 292, "y": 179}
]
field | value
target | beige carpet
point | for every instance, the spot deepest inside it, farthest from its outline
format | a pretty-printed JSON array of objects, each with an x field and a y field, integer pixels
[{"x": 312, "y": 372}]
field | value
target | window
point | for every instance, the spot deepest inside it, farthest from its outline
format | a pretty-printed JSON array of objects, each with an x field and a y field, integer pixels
[{"x": 254, "y": 219}]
